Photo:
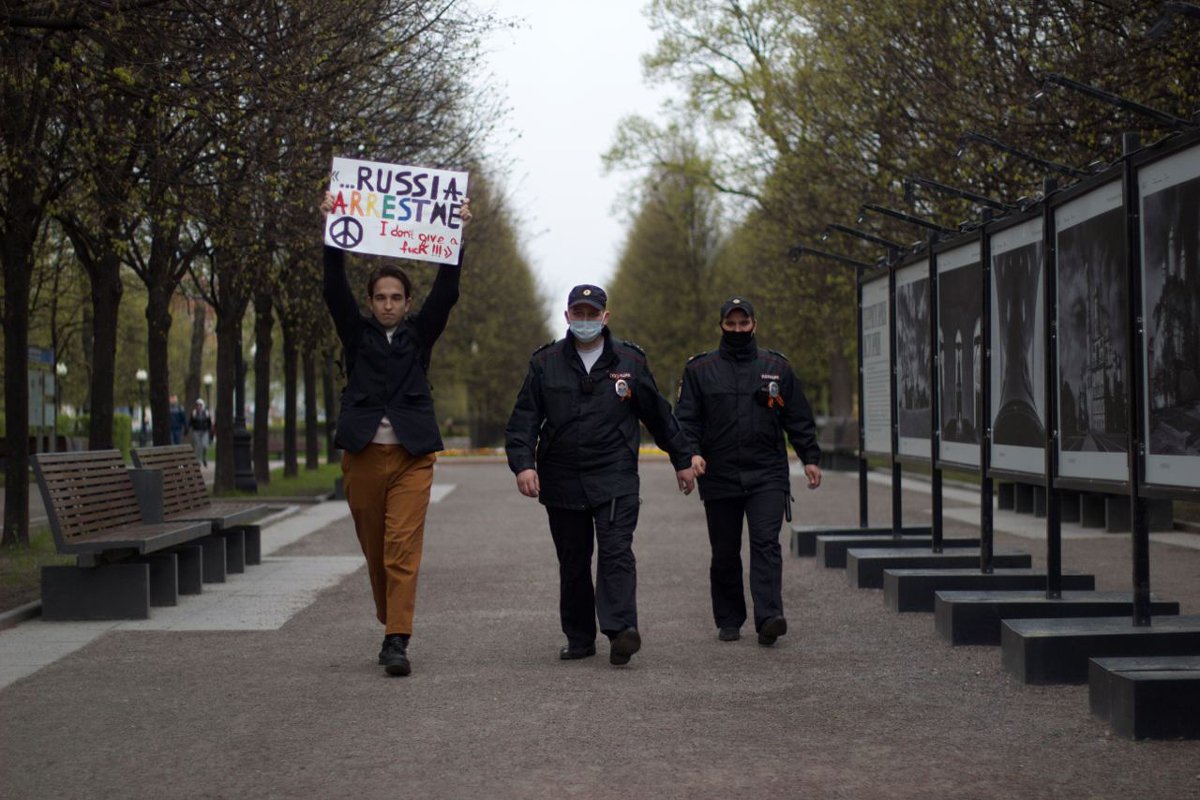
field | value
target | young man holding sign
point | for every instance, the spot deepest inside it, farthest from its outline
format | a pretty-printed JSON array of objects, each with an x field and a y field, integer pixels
[{"x": 386, "y": 424}]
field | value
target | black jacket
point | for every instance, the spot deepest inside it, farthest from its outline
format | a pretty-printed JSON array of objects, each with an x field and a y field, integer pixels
[
  {"x": 578, "y": 433},
  {"x": 729, "y": 418},
  {"x": 388, "y": 378}
]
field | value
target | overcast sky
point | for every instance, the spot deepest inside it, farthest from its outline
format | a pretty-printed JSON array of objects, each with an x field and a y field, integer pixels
[{"x": 570, "y": 70}]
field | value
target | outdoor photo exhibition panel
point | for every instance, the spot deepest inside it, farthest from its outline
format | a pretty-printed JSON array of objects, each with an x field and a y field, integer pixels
[
  {"x": 913, "y": 360},
  {"x": 1018, "y": 333},
  {"x": 876, "y": 358},
  {"x": 960, "y": 342},
  {"x": 1092, "y": 274},
  {"x": 1169, "y": 192}
]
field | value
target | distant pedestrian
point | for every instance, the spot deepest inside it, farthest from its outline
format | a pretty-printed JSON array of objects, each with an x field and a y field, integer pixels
[
  {"x": 572, "y": 442},
  {"x": 179, "y": 421},
  {"x": 201, "y": 425},
  {"x": 735, "y": 406}
]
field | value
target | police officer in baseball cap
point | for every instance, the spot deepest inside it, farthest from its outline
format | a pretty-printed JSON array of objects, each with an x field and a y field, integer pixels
[
  {"x": 572, "y": 442},
  {"x": 736, "y": 405}
]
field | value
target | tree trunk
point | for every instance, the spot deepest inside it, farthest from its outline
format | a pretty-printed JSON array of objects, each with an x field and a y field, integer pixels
[
  {"x": 193, "y": 383},
  {"x": 312, "y": 443},
  {"x": 841, "y": 385},
  {"x": 290, "y": 466},
  {"x": 16, "y": 256},
  {"x": 229, "y": 340},
  {"x": 264, "y": 323},
  {"x": 158, "y": 335},
  {"x": 106, "y": 303},
  {"x": 331, "y": 450}
]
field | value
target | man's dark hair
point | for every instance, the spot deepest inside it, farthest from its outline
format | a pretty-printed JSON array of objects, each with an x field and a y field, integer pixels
[{"x": 389, "y": 271}]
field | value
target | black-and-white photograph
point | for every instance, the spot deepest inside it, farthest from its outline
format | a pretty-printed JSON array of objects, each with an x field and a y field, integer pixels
[
  {"x": 960, "y": 339},
  {"x": 1093, "y": 334},
  {"x": 1171, "y": 272},
  {"x": 1017, "y": 276},
  {"x": 913, "y": 359}
]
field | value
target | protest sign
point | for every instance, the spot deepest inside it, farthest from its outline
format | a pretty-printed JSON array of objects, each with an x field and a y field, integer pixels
[{"x": 396, "y": 210}]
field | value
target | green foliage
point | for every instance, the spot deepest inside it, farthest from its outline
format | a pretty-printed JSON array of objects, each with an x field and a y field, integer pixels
[
  {"x": 496, "y": 324},
  {"x": 663, "y": 296},
  {"x": 811, "y": 108}
]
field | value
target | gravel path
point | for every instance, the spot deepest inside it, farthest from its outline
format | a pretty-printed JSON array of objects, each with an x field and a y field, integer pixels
[{"x": 855, "y": 702}]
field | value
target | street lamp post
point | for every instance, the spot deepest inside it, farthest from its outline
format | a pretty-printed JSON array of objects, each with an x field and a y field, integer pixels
[
  {"x": 208, "y": 382},
  {"x": 60, "y": 371},
  {"x": 142, "y": 376}
]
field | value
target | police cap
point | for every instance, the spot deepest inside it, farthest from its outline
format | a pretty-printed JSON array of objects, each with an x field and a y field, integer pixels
[
  {"x": 737, "y": 301},
  {"x": 589, "y": 295}
]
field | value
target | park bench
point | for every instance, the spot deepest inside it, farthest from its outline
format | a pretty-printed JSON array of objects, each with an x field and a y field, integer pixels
[
  {"x": 172, "y": 489},
  {"x": 124, "y": 565}
]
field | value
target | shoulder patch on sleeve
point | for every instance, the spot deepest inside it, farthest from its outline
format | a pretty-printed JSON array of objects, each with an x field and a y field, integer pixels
[
  {"x": 633, "y": 346},
  {"x": 543, "y": 347},
  {"x": 698, "y": 355}
]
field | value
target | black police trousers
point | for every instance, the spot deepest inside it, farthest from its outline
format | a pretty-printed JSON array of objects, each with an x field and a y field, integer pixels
[
  {"x": 763, "y": 512},
  {"x": 614, "y": 600}
]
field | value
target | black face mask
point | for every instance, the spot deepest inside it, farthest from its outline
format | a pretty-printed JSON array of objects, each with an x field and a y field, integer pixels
[{"x": 737, "y": 339}]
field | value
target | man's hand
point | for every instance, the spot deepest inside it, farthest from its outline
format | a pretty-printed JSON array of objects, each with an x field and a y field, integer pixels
[
  {"x": 699, "y": 465},
  {"x": 813, "y": 472},
  {"x": 327, "y": 203},
  {"x": 687, "y": 480},
  {"x": 528, "y": 483},
  {"x": 465, "y": 211}
]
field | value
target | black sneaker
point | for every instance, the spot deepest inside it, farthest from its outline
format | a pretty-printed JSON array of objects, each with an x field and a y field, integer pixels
[
  {"x": 569, "y": 653},
  {"x": 729, "y": 634},
  {"x": 624, "y": 645},
  {"x": 772, "y": 628},
  {"x": 394, "y": 655}
]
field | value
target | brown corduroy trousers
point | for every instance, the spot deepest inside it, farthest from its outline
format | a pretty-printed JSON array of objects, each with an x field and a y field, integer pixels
[{"x": 388, "y": 492}]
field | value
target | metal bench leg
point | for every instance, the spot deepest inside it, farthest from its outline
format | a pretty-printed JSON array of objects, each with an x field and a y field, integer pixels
[
  {"x": 191, "y": 568},
  {"x": 105, "y": 591},
  {"x": 214, "y": 558},
  {"x": 253, "y": 544},
  {"x": 235, "y": 551},
  {"x": 164, "y": 579}
]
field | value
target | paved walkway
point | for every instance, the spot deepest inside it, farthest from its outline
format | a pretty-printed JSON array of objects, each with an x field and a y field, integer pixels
[{"x": 268, "y": 686}]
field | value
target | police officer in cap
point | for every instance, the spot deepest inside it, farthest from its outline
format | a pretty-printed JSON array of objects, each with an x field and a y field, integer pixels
[
  {"x": 736, "y": 404},
  {"x": 572, "y": 442}
]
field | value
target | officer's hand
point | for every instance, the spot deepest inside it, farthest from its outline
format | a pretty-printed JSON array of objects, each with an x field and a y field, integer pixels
[
  {"x": 327, "y": 203},
  {"x": 699, "y": 465},
  {"x": 528, "y": 483},
  {"x": 687, "y": 480},
  {"x": 814, "y": 475}
]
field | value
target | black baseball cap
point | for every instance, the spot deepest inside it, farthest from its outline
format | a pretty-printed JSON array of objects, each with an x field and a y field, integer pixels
[
  {"x": 587, "y": 294},
  {"x": 737, "y": 301}
]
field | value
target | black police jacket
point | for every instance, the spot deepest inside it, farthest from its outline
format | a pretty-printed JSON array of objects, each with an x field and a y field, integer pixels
[
  {"x": 580, "y": 430},
  {"x": 388, "y": 377},
  {"x": 732, "y": 418}
]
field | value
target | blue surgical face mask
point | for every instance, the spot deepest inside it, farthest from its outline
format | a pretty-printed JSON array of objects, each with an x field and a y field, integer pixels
[{"x": 586, "y": 330}]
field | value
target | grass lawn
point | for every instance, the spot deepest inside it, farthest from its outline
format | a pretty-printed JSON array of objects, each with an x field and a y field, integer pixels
[
  {"x": 308, "y": 483},
  {"x": 21, "y": 569}
]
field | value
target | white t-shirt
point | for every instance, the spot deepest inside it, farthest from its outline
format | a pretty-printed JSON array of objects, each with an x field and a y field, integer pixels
[{"x": 589, "y": 357}]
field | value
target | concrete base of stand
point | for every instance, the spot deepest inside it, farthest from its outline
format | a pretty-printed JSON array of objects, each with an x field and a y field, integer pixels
[
  {"x": 864, "y": 567},
  {"x": 975, "y": 617},
  {"x": 914, "y": 589},
  {"x": 1053, "y": 651},
  {"x": 831, "y": 550},
  {"x": 804, "y": 537},
  {"x": 1147, "y": 698}
]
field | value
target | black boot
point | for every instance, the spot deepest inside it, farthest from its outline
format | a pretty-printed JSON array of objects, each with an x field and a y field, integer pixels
[{"x": 394, "y": 655}]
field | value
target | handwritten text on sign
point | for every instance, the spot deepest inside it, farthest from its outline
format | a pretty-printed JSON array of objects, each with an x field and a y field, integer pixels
[{"x": 396, "y": 210}]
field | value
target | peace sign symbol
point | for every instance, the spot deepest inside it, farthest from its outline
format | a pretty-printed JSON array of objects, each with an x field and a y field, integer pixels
[{"x": 346, "y": 232}]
